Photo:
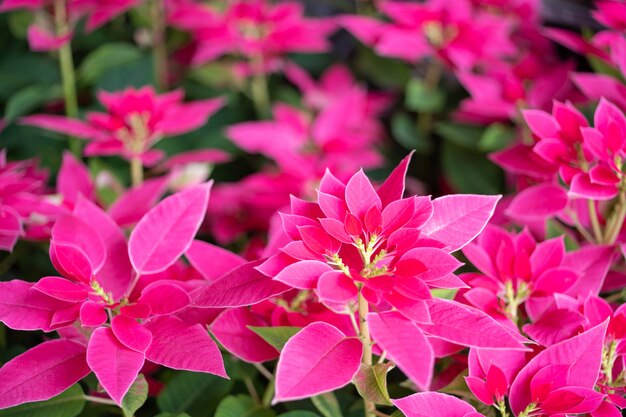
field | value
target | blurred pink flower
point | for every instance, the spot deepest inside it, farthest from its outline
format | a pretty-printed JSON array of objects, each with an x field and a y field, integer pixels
[{"x": 134, "y": 121}]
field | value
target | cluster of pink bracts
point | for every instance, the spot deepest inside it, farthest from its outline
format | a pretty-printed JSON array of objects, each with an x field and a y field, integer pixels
[{"x": 352, "y": 263}]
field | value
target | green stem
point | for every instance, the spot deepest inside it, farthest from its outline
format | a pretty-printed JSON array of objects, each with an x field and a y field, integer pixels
[
  {"x": 259, "y": 89},
  {"x": 136, "y": 171},
  {"x": 99, "y": 400},
  {"x": 269, "y": 393},
  {"x": 617, "y": 220},
  {"x": 434, "y": 71},
  {"x": 66, "y": 62},
  {"x": 366, "y": 339},
  {"x": 252, "y": 390},
  {"x": 159, "y": 46},
  {"x": 595, "y": 224}
]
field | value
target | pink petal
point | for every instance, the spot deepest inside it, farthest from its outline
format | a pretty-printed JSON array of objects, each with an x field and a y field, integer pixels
[
  {"x": 164, "y": 298},
  {"x": 541, "y": 123},
  {"x": 71, "y": 261},
  {"x": 73, "y": 231},
  {"x": 42, "y": 372},
  {"x": 479, "y": 389},
  {"x": 131, "y": 206},
  {"x": 318, "y": 359},
  {"x": 40, "y": 39},
  {"x": 212, "y": 261},
  {"x": 178, "y": 345},
  {"x": 437, "y": 262},
  {"x": 240, "y": 287},
  {"x": 231, "y": 330},
  {"x": 10, "y": 228},
  {"x": 115, "y": 365},
  {"x": 335, "y": 287},
  {"x": 74, "y": 180},
  {"x": 189, "y": 116},
  {"x": 132, "y": 334},
  {"x": 468, "y": 326},
  {"x": 393, "y": 187},
  {"x": 70, "y": 127},
  {"x": 115, "y": 274},
  {"x": 592, "y": 263},
  {"x": 92, "y": 314},
  {"x": 405, "y": 344},
  {"x": 360, "y": 195},
  {"x": 458, "y": 219},
  {"x": 303, "y": 274},
  {"x": 167, "y": 230},
  {"x": 583, "y": 352},
  {"x": 22, "y": 308},
  {"x": 429, "y": 404},
  {"x": 582, "y": 187},
  {"x": 538, "y": 202},
  {"x": 61, "y": 289}
]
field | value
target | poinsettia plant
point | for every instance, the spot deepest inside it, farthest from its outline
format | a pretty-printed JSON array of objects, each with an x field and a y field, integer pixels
[{"x": 360, "y": 208}]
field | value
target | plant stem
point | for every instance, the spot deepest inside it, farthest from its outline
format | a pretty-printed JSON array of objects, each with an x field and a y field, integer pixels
[
  {"x": 99, "y": 400},
  {"x": 66, "y": 63},
  {"x": 364, "y": 333},
  {"x": 136, "y": 171},
  {"x": 432, "y": 77},
  {"x": 252, "y": 390},
  {"x": 159, "y": 46},
  {"x": 617, "y": 220},
  {"x": 263, "y": 371},
  {"x": 595, "y": 224},
  {"x": 259, "y": 89},
  {"x": 269, "y": 393}
]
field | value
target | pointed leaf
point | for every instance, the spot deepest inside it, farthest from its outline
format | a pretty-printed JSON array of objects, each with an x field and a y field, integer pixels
[
  {"x": 42, "y": 372},
  {"x": 69, "y": 403},
  {"x": 327, "y": 405},
  {"x": 468, "y": 326},
  {"x": 429, "y": 404},
  {"x": 360, "y": 195},
  {"x": 458, "y": 219},
  {"x": 166, "y": 231},
  {"x": 136, "y": 396},
  {"x": 303, "y": 274},
  {"x": 240, "y": 287},
  {"x": 582, "y": 352},
  {"x": 538, "y": 202},
  {"x": 371, "y": 382},
  {"x": 164, "y": 298},
  {"x": 178, "y": 345},
  {"x": 393, "y": 187},
  {"x": 193, "y": 393},
  {"x": 276, "y": 336},
  {"x": 406, "y": 345},
  {"x": 212, "y": 261},
  {"x": 241, "y": 406},
  {"x": 115, "y": 365},
  {"x": 320, "y": 358}
]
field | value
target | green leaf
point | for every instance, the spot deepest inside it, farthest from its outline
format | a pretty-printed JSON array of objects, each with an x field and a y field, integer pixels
[
  {"x": 397, "y": 413},
  {"x": 196, "y": 394},
  {"x": 600, "y": 66},
  {"x": 327, "y": 405},
  {"x": 135, "y": 397},
  {"x": 470, "y": 172},
  {"x": 497, "y": 136},
  {"x": 276, "y": 336},
  {"x": 131, "y": 74},
  {"x": 19, "y": 21},
  {"x": 466, "y": 136},
  {"x": 556, "y": 229},
  {"x": 241, "y": 406},
  {"x": 405, "y": 133},
  {"x": 299, "y": 413},
  {"x": 448, "y": 294},
  {"x": 29, "y": 99},
  {"x": 371, "y": 382},
  {"x": 384, "y": 72},
  {"x": 422, "y": 98},
  {"x": 105, "y": 58},
  {"x": 69, "y": 403},
  {"x": 172, "y": 415}
]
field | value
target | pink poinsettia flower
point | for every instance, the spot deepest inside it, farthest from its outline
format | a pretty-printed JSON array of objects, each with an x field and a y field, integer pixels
[
  {"x": 335, "y": 83},
  {"x": 122, "y": 324},
  {"x": 340, "y": 138},
  {"x": 516, "y": 271},
  {"x": 454, "y": 32},
  {"x": 425, "y": 404},
  {"x": 561, "y": 379},
  {"x": 42, "y": 38},
  {"x": 255, "y": 29},
  {"x": 605, "y": 144},
  {"x": 27, "y": 206},
  {"x": 357, "y": 241},
  {"x": 134, "y": 121}
]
